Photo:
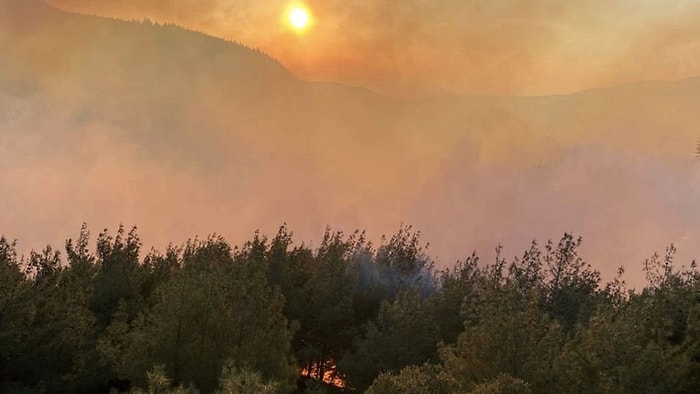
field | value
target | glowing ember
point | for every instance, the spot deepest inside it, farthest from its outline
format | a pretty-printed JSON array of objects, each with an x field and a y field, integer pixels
[{"x": 330, "y": 374}]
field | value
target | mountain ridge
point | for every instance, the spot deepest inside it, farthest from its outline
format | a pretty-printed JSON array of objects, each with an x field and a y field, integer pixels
[
  {"x": 46, "y": 5},
  {"x": 85, "y": 29}
]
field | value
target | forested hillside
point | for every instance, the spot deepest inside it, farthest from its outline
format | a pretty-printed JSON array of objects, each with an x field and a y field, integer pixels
[
  {"x": 105, "y": 121},
  {"x": 276, "y": 316}
]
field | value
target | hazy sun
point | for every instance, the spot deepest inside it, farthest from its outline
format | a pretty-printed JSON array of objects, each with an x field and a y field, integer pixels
[{"x": 299, "y": 17}]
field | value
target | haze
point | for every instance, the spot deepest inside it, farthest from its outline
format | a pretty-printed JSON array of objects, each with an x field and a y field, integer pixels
[
  {"x": 185, "y": 134},
  {"x": 505, "y": 47}
]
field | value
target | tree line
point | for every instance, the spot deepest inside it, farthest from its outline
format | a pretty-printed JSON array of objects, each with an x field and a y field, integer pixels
[{"x": 347, "y": 316}]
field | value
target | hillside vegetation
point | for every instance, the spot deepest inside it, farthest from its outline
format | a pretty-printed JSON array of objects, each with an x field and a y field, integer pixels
[{"x": 272, "y": 316}]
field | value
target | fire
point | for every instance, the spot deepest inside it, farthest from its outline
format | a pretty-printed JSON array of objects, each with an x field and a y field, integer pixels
[{"x": 330, "y": 374}]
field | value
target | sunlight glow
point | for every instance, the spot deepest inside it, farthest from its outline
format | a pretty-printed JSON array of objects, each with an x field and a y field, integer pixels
[{"x": 299, "y": 17}]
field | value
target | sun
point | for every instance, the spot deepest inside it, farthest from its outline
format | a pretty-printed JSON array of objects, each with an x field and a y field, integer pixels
[{"x": 299, "y": 17}]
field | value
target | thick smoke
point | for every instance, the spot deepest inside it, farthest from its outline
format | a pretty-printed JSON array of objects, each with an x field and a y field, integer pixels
[{"x": 181, "y": 134}]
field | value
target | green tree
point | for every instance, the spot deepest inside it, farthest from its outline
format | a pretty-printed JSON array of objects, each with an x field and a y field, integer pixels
[
  {"x": 506, "y": 332},
  {"x": 642, "y": 342},
  {"x": 158, "y": 382},
  {"x": 58, "y": 328},
  {"x": 405, "y": 334},
  {"x": 120, "y": 275},
  {"x": 572, "y": 284},
  {"x": 403, "y": 264},
  {"x": 236, "y": 380},
  {"x": 329, "y": 325},
  {"x": 458, "y": 288},
  {"x": 568, "y": 285},
  {"x": 502, "y": 384},
  {"x": 14, "y": 293},
  {"x": 217, "y": 307},
  {"x": 426, "y": 379}
]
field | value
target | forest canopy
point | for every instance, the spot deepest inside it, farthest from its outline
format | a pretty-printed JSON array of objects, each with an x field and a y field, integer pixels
[{"x": 346, "y": 316}]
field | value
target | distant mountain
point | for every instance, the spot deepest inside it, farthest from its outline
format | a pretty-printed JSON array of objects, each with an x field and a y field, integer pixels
[
  {"x": 72, "y": 41},
  {"x": 108, "y": 121}
]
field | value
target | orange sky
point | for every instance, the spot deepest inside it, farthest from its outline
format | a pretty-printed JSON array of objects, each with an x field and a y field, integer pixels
[{"x": 512, "y": 47}]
